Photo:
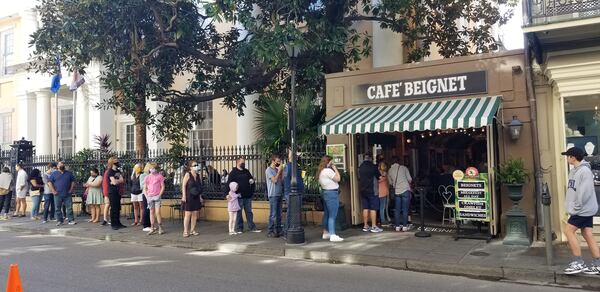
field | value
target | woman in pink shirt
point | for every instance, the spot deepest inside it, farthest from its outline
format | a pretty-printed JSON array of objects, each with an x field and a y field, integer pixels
[{"x": 154, "y": 186}]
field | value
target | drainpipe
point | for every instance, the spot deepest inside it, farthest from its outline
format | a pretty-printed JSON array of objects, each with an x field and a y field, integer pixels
[{"x": 530, "y": 91}]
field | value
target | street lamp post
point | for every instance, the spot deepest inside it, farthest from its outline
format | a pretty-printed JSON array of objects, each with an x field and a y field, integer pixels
[{"x": 295, "y": 231}]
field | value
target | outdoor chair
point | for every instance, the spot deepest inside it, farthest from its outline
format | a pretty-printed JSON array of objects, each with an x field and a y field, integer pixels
[{"x": 447, "y": 194}]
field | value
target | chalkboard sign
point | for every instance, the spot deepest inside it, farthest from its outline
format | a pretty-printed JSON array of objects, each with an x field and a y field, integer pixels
[{"x": 472, "y": 198}]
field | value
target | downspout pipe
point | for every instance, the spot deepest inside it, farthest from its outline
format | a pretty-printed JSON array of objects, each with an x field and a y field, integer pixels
[{"x": 530, "y": 92}]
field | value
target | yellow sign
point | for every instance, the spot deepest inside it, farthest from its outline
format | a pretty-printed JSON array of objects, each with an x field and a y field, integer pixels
[{"x": 458, "y": 174}]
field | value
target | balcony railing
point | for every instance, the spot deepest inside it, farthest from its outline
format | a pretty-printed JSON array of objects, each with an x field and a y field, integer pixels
[{"x": 546, "y": 11}]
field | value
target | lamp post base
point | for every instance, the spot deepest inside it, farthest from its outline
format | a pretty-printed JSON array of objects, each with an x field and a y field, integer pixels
[{"x": 295, "y": 231}]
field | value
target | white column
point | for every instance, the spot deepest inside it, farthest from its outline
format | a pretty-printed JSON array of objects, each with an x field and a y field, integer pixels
[
  {"x": 82, "y": 121},
  {"x": 43, "y": 138},
  {"x": 246, "y": 134},
  {"x": 26, "y": 116}
]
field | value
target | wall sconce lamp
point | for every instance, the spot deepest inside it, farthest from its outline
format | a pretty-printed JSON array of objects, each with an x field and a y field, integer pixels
[{"x": 514, "y": 128}]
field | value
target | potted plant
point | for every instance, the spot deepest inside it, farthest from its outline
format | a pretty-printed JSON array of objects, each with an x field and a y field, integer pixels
[{"x": 513, "y": 175}]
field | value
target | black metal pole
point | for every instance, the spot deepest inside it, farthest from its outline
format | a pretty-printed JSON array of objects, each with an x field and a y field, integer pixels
[
  {"x": 295, "y": 232},
  {"x": 422, "y": 233}
]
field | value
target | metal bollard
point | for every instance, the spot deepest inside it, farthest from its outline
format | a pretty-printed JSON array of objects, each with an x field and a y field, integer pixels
[{"x": 546, "y": 201}]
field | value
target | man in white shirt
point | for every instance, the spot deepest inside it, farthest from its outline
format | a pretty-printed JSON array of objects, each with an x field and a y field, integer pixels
[
  {"x": 21, "y": 189},
  {"x": 400, "y": 179}
]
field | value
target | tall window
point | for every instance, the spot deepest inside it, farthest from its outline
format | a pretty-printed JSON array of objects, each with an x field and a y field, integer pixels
[
  {"x": 7, "y": 42},
  {"x": 66, "y": 131},
  {"x": 202, "y": 134},
  {"x": 129, "y": 137},
  {"x": 6, "y": 129}
]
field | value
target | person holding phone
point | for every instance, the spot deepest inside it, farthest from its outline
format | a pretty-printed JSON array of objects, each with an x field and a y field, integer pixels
[
  {"x": 115, "y": 180},
  {"x": 242, "y": 176},
  {"x": 329, "y": 178}
]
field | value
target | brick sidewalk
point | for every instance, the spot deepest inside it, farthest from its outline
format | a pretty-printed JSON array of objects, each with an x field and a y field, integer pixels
[{"x": 437, "y": 254}]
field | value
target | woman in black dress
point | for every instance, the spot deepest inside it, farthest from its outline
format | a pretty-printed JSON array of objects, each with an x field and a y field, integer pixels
[{"x": 191, "y": 198}]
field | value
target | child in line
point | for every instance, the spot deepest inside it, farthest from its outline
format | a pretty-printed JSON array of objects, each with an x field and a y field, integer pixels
[{"x": 233, "y": 206}]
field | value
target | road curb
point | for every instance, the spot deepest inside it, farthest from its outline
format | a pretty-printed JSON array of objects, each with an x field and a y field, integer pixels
[{"x": 541, "y": 275}]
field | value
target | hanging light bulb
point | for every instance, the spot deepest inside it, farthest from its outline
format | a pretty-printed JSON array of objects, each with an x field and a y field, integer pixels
[
  {"x": 422, "y": 136},
  {"x": 408, "y": 141},
  {"x": 430, "y": 134}
]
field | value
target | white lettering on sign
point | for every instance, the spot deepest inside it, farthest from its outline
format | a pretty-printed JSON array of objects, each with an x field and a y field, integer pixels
[
  {"x": 408, "y": 88},
  {"x": 451, "y": 85},
  {"x": 371, "y": 92}
]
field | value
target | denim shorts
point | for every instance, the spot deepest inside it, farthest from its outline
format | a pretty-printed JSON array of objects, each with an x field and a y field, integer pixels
[
  {"x": 581, "y": 222},
  {"x": 153, "y": 202},
  {"x": 370, "y": 203}
]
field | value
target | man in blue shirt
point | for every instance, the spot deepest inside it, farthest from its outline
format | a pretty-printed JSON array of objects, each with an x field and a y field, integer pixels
[
  {"x": 274, "y": 191},
  {"x": 62, "y": 183},
  {"x": 287, "y": 187}
]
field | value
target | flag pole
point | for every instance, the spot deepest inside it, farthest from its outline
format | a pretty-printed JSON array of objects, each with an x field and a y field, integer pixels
[
  {"x": 74, "y": 120},
  {"x": 56, "y": 118}
]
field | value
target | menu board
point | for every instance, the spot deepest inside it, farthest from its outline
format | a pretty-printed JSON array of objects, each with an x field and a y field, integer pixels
[
  {"x": 338, "y": 152},
  {"x": 472, "y": 198}
]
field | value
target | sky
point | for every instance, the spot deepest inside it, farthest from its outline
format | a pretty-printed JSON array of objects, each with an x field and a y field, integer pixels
[{"x": 512, "y": 32}]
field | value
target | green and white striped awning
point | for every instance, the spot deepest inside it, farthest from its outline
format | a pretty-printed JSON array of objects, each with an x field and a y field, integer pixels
[{"x": 434, "y": 115}]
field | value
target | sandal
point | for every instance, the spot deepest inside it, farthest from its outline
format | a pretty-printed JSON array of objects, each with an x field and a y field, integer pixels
[
  {"x": 194, "y": 233},
  {"x": 185, "y": 234}
]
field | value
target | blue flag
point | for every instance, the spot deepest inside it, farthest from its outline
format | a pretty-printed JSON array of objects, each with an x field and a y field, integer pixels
[{"x": 55, "y": 86}]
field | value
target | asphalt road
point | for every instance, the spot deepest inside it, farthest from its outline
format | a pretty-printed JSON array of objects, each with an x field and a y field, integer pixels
[{"x": 50, "y": 263}]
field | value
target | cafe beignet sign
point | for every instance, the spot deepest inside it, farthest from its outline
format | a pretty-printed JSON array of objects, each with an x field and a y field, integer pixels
[{"x": 438, "y": 86}]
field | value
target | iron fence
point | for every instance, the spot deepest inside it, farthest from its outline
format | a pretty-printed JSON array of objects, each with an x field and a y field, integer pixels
[{"x": 216, "y": 162}]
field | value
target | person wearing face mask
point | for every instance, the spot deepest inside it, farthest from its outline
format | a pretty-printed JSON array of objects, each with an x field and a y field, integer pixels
[
  {"x": 245, "y": 181},
  {"x": 154, "y": 187},
  {"x": 115, "y": 180},
  {"x": 94, "y": 197},
  {"x": 191, "y": 197},
  {"x": 136, "y": 194},
  {"x": 274, "y": 192},
  {"x": 62, "y": 183}
]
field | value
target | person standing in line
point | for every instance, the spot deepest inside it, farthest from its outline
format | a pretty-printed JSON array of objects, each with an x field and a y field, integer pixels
[
  {"x": 21, "y": 189},
  {"x": 191, "y": 197},
  {"x": 94, "y": 194},
  {"x": 329, "y": 178},
  {"x": 136, "y": 194},
  {"x": 368, "y": 175},
  {"x": 49, "y": 210},
  {"x": 233, "y": 206},
  {"x": 5, "y": 196},
  {"x": 273, "y": 173},
  {"x": 146, "y": 215},
  {"x": 35, "y": 192},
  {"x": 287, "y": 187},
  {"x": 581, "y": 205},
  {"x": 245, "y": 182},
  {"x": 400, "y": 179},
  {"x": 62, "y": 183},
  {"x": 105, "y": 191},
  {"x": 384, "y": 192},
  {"x": 116, "y": 180},
  {"x": 154, "y": 186}
]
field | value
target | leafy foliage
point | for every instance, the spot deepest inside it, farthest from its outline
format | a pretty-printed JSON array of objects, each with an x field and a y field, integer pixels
[
  {"x": 143, "y": 45},
  {"x": 512, "y": 172}
]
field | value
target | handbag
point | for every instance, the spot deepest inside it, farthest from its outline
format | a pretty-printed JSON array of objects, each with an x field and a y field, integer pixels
[
  {"x": 34, "y": 193},
  {"x": 3, "y": 191},
  {"x": 319, "y": 205}
]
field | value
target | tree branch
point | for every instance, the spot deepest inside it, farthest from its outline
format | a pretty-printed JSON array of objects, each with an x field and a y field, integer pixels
[{"x": 369, "y": 18}]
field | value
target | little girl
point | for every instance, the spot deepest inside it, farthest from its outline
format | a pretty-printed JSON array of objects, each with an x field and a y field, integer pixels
[{"x": 233, "y": 206}]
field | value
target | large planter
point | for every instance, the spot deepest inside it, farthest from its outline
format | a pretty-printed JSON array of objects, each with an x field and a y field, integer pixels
[
  {"x": 517, "y": 230},
  {"x": 515, "y": 192}
]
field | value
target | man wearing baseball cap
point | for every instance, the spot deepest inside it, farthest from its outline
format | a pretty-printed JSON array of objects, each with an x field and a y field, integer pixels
[{"x": 581, "y": 205}]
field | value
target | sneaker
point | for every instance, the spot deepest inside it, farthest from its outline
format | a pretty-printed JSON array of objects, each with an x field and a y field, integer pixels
[
  {"x": 52, "y": 219},
  {"x": 398, "y": 228},
  {"x": 335, "y": 238},
  {"x": 146, "y": 229},
  {"x": 72, "y": 223},
  {"x": 239, "y": 232},
  {"x": 59, "y": 223},
  {"x": 592, "y": 270},
  {"x": 271, "y": 234},
  {"x": 256, "y": 230},
  {"x": 161, "y": 231},
  {"x": 45, "y": 221},
  {"x": 152, "y": 231},
  {"x": 405, "y": 229},
  {"x": 376, "y": 229},
  {"x": 232, "y": 233},
  {"x": 326, "y": 236},
  {"x": 104, "y": 223},
  {"x": 366, "y": 229},
  {"x": 574, "y": 268}
]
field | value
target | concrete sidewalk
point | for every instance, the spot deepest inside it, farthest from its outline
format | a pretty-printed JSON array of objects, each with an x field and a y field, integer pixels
[{"x": 437, "y": 254}]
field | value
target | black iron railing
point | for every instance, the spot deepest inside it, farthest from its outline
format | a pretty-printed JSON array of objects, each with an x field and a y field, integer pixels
[{"x": 543, "y": 11}]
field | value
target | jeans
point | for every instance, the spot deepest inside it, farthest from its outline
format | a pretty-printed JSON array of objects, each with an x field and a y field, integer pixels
[
  {"x": 383, "y": 204},
  {"x": 332, "y": 203},
  {"x": 275, "y": 203},
  {"x": 246, "y": 205},
  {"x": 49, "y": 207},
  {"x": 35, "y": 209},
  {"x": 402, "y": 204},
  {"x": 115, "y": 208},
  {"x": 146, "y": 217},
  {"x": 66, "y": 200},
  {"x": 5, "y": 203}
]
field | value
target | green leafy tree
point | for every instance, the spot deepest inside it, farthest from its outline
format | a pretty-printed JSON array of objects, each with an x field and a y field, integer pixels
[{"x": 144, "y": 44}]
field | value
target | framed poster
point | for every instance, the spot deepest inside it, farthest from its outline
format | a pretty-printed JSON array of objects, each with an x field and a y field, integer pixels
[
  {"x": 338, "y": 152},
  {"x": 472, "y": 198}
]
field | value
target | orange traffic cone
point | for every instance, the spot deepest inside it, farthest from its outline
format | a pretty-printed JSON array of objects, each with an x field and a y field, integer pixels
[{"x": 14, "y": 281}]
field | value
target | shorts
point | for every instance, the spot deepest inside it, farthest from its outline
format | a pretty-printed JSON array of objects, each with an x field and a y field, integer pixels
[
  {"x": 370, "y": 203},
  {"x": 21, "y": 195},
  {"x": 581, "y": 222},
  {"x": 153, "y": 202},
  {"x": 137, "y": 198}
]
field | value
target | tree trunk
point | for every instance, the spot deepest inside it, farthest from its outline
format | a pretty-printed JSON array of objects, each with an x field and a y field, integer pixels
[{"x": 140, "y": 127}]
